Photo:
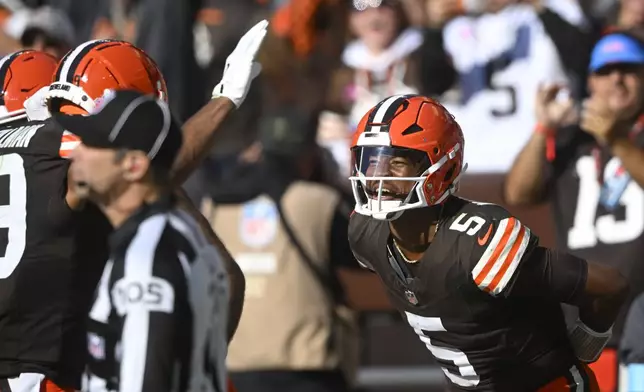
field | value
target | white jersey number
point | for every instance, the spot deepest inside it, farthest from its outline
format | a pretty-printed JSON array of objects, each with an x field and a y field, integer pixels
[
  {"x": 466, "y": 376},
  {"x": 471, "y": 226},
  {"x": 13, "y": 225},
  {"x": 588, "y": 228}
]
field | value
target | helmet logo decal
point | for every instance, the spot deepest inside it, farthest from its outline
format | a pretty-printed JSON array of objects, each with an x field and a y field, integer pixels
[{"x": 413, "y": 128}]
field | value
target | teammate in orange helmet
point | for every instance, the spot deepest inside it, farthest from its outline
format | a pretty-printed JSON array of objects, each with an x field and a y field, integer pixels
[
  {"x": 470, "y": 278},
  {"x": 22, "y": 74},
  {"x": 55, "y": 245},
  {"x": 85, "y": 73}
]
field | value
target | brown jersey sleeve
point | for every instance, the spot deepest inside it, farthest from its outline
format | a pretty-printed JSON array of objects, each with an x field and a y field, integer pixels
[
  {"x": 552, "y": 275},
  {"x": 498, "y": 249},
  {"x": 511, "y": 263}
]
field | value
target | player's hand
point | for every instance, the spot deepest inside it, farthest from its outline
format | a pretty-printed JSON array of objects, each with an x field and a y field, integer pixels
[
  {"x": 241, "y": 67},
  {"x": 601, "y": 121},
  {"x": 553, "y": 108},
  {"x": 36, "y": 106}
]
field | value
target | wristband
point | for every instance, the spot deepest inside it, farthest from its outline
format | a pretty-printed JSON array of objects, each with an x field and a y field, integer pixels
[
  {"x": 586, "y": 343},
  {"x": 550, "y": 140}
]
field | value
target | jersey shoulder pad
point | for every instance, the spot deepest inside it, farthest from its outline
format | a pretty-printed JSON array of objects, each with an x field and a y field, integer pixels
[
  {"x": 60, "y": 142},
  {"x": 492, "y": 244},
  {"x": 45, "y": 138},
  {"x": 22, "y": 136},
  {"x": 68, "y": 142},
  {"x": 65, "y": 140}
]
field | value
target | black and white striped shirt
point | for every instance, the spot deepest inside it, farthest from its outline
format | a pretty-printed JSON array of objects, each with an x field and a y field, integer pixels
[{"x": 159, "y": 317}]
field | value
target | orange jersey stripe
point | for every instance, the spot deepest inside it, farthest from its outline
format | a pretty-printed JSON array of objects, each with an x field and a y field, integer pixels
[
  {"x": 516, "y": 245},
  {"x": 68, "y": 143},
  {"x": 497, "y": 252}
]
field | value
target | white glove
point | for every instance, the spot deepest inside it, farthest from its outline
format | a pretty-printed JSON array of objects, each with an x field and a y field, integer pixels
[
  {"x": 36, "y": 106},
  {"x": 241, "y": 67}
]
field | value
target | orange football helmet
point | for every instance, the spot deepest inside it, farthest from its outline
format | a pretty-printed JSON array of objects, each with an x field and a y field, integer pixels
[
  {"x": 22, "y": 73},
  {"x": 407, "y": 153},
  {"x": 87, "y": 71}
]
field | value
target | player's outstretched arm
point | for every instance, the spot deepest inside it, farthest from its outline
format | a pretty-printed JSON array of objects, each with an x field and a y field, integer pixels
[
  {"x": 508, "y": 262},
  {"x": 199, "y": 132},
  {"x": 598, "y": 290},
  {"x": 605, "y": 292},
  {"x": 526, "y": 181}
]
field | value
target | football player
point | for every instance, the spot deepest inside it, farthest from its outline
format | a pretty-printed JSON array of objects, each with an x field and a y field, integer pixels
[
  {"x": 468, "y": 277},
  {"x": 53, "y": 247},
  {"x": 22, "y": 74}
]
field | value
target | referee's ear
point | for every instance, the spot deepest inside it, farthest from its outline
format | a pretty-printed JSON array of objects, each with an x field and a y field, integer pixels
[{"x": 135, "y": 166}]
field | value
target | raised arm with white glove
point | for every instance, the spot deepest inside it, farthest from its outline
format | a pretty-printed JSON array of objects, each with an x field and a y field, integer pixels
[
  {"x": 241, "y": 67},
  {"x": 199, "y": 132}
]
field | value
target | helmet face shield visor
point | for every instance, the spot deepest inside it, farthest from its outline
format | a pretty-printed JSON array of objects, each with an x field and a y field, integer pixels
[{"x": 387, "y": 179}]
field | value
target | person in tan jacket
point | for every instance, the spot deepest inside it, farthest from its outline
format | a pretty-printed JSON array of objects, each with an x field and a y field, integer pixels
[{"x": 288, "y": 233}]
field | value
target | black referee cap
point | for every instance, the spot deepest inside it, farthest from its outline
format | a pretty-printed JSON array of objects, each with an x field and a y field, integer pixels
[{"x": 128, "y": 119}]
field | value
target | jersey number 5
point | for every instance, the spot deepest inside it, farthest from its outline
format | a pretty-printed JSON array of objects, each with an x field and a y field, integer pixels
[
  {"x": 13, "y": 210},
  {"x": 453, "y": 362},
  {"x": 470, "y": 226}
]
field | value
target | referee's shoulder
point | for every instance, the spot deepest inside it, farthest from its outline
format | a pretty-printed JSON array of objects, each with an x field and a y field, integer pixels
[
  {"x": 164, "y": 242},
  {"x": 183, "y": 225}
]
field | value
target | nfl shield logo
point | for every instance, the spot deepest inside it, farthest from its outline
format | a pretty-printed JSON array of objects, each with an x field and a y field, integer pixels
[
  {"x": 259, "y": 223},
  {"x": 411, "y": 297}
]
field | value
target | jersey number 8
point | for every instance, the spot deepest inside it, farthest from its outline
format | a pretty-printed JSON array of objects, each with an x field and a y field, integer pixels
[{"x": 13, "y": 211}]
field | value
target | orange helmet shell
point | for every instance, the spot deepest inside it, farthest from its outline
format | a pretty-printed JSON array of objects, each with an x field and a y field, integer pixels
[
  {"x": 22, "y": 74},
  {"x": 87, "y": 71}
]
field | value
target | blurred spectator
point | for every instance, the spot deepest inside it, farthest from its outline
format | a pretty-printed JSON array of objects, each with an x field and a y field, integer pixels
[
  {"x": 47, "y": 29},
  {"x": 302, "y": 50},
  {"x": 631, "y": 352},
  {"x": 501, "y": 56},
  {"x": 220, "y": 23},
  {"x": 594, "y": 173},
  {"x": 225, "y": 169},
  {"x": 626, "y": 14},
  {"x": 164, "y": 31},
  {"x": 83, "y": 14},
  {"x": 574, "y": 35},
  {"x": 381, "y": 61},
  {"x": 288, "y": 234}
]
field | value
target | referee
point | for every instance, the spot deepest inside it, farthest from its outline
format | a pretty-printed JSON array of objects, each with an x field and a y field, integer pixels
[{"x": 143, "y": 333}]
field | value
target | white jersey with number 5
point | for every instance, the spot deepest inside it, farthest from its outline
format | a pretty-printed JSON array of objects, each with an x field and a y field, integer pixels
[{"x": 501, "y": 59}]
